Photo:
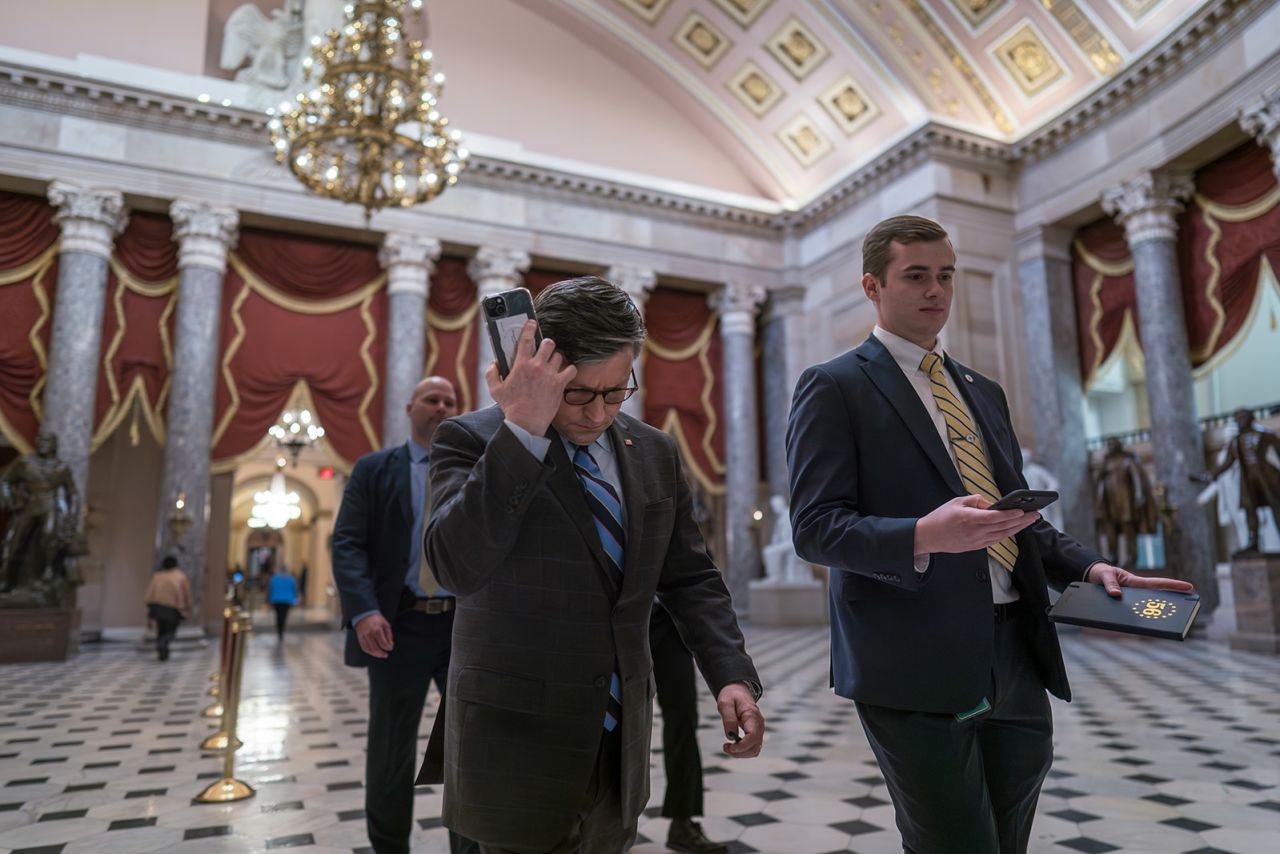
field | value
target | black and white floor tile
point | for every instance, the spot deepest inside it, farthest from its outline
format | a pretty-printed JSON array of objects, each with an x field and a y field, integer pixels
[{"x": 1168, "y": 748}]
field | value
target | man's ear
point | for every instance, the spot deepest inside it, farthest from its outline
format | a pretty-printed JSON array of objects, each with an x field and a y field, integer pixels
[{"x": 871, "y": 287}]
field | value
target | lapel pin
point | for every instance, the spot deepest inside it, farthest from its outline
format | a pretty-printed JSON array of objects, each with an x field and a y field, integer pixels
[
  {"x": 628, "y": 443},
  {"x": 968, "y": 378}
]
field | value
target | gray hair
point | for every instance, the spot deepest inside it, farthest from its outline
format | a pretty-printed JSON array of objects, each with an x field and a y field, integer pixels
[{"x": 589, "y": 319}]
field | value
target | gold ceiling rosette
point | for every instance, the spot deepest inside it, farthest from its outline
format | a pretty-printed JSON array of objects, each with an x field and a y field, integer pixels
[{"x": 368, "y": 129}]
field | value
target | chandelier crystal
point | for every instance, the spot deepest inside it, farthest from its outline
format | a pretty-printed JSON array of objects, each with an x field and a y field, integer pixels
[
  {"x": 296, "y": 429},
  {"x": 274, "y": 507},
  {"x": 367, "y": 127}
]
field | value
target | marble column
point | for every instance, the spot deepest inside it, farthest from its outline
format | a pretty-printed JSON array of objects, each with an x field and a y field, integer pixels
[
  {"x": 90, "y": 220},
  {"x": 1147, "y": 206},
  {"x": 737, "y": 304},
  {"x": 638, "y": 283},
  {"x": 493, "y": 270},
  {"x": 1053, "y": 370},
  {"x": 410, "y": 261},
  {"x": 1261, "y": 120},
  {"x": 205, "y": 234},
  {"x": 782, "y": 361}
]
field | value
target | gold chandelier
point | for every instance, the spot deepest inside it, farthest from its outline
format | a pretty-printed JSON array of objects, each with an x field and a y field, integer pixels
[{"x": 368, "y": 130}]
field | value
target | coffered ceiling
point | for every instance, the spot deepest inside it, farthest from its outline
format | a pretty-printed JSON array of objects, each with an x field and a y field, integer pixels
[{"x": 811, "y": 89}]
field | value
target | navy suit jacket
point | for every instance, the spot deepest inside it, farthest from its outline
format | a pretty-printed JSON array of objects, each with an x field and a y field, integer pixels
[
  {"x": 371, "y": 540},
  {"x": 866, "y": 462}
]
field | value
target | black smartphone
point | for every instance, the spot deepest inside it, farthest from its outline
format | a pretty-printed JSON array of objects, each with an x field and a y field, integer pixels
[
  {"x": 505, "y": 314},
  {"x": 1026, "y": 499}
]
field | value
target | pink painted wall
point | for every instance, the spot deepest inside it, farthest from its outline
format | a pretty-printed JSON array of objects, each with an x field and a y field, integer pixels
[{"x": 164, "y": 33}]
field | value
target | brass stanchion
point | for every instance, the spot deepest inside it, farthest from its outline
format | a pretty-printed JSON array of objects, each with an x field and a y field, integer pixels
[
  {"x": 228, "y": 788},
  {"x": 238, "y": 626},
  {"x": 214, "y": 710}
]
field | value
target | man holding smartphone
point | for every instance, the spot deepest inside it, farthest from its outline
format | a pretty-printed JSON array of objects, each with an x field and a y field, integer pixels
[
  {"x": 938, "y": 625},
  {"x": 557, "y": 520}
]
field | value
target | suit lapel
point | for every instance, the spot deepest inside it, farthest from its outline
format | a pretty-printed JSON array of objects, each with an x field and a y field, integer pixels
[
  {"x": 567, "y": 489},
  {"x": 884, "y": 372},
  {"x": 626, "y": 450}
]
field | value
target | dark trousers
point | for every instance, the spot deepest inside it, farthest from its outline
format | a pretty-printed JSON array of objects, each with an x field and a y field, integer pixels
[
  {"x": 397, "y": 692},
  {"x": 969, "y": 786},
  {"x": 675, "y": 679},
  {"x": 167, "y": 620},
  {"x": 282, "y": 617},
  {"x": 599, "y": 827}
]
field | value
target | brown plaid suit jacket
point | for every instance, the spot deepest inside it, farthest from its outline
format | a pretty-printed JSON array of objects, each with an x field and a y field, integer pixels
[{"x": 540, "y": 623}]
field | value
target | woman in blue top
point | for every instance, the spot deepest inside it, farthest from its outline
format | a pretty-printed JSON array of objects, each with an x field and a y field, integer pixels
[{"x": 282, "y": 592}]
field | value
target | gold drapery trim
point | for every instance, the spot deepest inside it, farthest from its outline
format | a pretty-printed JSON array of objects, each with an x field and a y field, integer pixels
[
  {"x": 42, "y": 298},
  {"x": 1259, "y": 295},
  {"x": 160, "y": 288},
  {"x": 371, "y": 332},
  {"x": 454, "y": 323},
  {"x": 1111, "y": 269},
  {"x": 135, "y": 395},
  {"x": 167, "y": 347},
  {"x": 671, "y": 426},
  {"x": 699, "y": 344},
  {"x": 301, "y": 395},
  {"x": 301, "y": 306},
  {"x": 1126, "y": 347},
  {"x": 36, "y": 265},
  {"x": 700, "y": 348},
  {"x": 466, "y": 321},
  {"x": 232, "y": 348},
  {"x": 1213, "y": 214}
]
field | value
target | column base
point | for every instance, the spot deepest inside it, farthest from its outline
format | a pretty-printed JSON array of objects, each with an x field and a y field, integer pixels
[{"x": 1255, "y": 584}]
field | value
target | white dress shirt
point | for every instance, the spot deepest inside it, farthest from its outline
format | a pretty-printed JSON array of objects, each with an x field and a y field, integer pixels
[
  {"x": 908, "y": 357},
  {"x": 601, "y": 451}
]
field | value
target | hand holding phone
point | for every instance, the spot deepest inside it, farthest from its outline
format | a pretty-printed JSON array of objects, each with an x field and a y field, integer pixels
[
  {"x": 532, "y": 391},
  {"x": 1026, "y": 499},
  {"x": 505, "y": 316}
]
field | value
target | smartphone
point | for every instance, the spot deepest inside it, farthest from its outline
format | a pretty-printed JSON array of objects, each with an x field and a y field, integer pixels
[
  {"x": 505, "y": 314},
  {"x": 1026, "y": 499}
]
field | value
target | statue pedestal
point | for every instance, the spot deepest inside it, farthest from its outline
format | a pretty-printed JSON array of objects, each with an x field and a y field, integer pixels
[
  {"x": 1255, "y": 582},
  {"x": 801, "y": 603},
  {"x": 35, "y": 634}
]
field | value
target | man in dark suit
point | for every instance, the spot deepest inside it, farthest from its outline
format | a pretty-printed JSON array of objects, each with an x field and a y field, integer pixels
[
  {"x": 400, "y": 618},
  {"x": 556, "y": 521},
  {"x": 938, "y": 605}
]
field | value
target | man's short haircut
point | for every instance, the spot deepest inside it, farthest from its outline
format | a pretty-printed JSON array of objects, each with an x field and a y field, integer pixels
[
  {"x": 169, "y": 562},
  {"x": 876, "y": 249},
  {"x": 589, "y": 319}
]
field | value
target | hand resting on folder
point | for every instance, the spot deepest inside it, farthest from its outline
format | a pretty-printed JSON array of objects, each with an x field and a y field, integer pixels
[{"x": 1113, "y": 578}]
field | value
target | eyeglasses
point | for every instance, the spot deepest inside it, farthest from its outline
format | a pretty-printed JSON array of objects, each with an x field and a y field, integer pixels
[{"x": 583, "y": 396}]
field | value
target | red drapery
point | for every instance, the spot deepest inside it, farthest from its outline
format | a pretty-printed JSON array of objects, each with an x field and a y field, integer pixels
[
  {"x": 452, "y": 350},
  {"x": 137, "y": 327},
  {"x": 299, "y": 310},
  {"x": 1231, "y": 225},
  {"x": 682, "y": 376},
  {"x": 28, "y": 273},
  {"x": 1106, "y": 298}
]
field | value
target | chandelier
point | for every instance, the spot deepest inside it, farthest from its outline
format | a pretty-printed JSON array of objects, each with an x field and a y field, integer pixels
[
  {"x": 274, "y": 507},
  {"x": 296, "y": 429},
  {"x": 368, "y": 130}
]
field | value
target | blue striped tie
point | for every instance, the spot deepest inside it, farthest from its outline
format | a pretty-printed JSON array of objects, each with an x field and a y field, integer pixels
[{"x": 606, "y": 510}]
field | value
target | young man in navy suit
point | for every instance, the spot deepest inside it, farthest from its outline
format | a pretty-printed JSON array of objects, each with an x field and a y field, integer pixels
[
  {"x": 939, "y": 631},
  {"x": 400, "y": 619}
]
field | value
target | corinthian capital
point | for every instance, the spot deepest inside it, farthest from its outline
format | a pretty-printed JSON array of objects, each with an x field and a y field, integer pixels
[
  {"x": 90, "y": 218},
  {"x": 410, "y": 260},
  {"x": 494, "y": 269},
  {"x": 737, "y": 303},
  {"x": 636, "y": 281},
  {"x": 1261, "y": 120},
  {"x": 205, "y": 233},
  {"x": 1148, "y": 205}
]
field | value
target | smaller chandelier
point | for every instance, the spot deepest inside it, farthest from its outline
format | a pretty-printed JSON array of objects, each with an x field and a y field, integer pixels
[
  {"x": 274, "y": 507},
  {"x": 368, "y": 129},
  {"x": 296, "y": 429}
]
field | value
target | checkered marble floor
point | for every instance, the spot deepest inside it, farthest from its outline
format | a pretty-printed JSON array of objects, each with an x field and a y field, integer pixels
[{"x": 1169, "y": 748}]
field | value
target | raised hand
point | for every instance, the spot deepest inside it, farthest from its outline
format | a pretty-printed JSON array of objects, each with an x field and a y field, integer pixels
[{"x": 532, "y": 391}]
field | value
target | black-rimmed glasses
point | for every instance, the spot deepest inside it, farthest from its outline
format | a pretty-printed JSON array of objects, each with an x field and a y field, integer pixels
[{"x": 583, "y": 396}]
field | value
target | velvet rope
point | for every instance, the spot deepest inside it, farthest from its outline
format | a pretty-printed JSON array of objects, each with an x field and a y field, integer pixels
[{"x": 28, "y": 273}]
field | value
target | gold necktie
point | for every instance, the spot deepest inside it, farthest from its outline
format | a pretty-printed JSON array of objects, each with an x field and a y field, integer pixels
[
  {"x": 971, "y": 459},
  {"x": 426, "y": 578}
]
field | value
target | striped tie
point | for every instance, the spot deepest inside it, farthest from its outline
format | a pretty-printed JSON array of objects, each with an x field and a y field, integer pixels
[
  {"x": 606, "y": 510},
  {"x": 971, "y": 460}
]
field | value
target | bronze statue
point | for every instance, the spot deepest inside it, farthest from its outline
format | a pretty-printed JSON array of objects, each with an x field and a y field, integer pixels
[
  {"x": 43, "y": 537},
  {"x": 1259, "y": 479},
  {"x": 1126, "y": 503}
]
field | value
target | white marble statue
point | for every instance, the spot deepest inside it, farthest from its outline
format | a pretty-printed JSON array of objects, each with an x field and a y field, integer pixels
[
  {"x": 781, "y": 563},
  {"x": 1039, "y": 477},
  {"x": 1226, "y": 490},
  {"x": 274, "y": 45}
]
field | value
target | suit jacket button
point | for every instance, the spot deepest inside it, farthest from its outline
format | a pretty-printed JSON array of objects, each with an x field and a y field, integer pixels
[
  {"x": 981, "y": 575},
  {"x": 601, "y": 681}
]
